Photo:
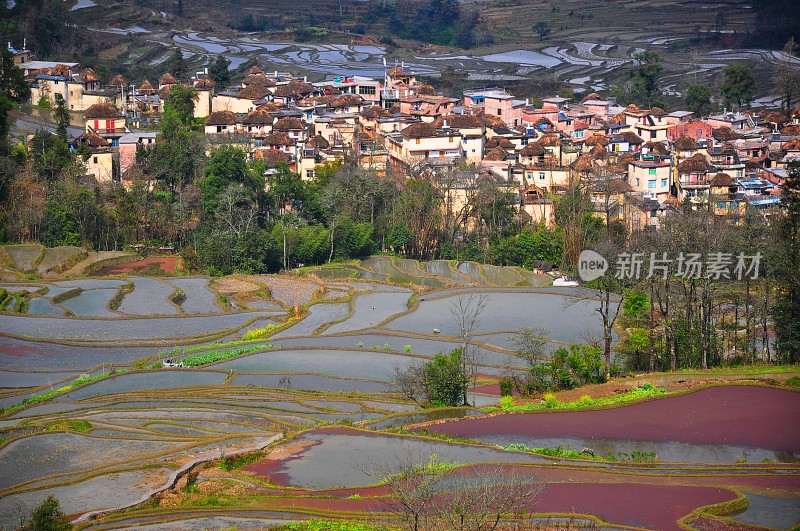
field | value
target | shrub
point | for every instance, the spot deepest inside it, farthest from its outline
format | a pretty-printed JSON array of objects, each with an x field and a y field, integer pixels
[
  {"x": 260, "y": 333},
  {"x": 407, "y": 349},
  {"x": 360, "y": 344},
  {"x": 586, "y": 400},
  {"x": 794, "y": 381},
  {"x": 550, "y": 400},
  {"x": 507, "y": 402},
  {"x": 506, "y": 386}
]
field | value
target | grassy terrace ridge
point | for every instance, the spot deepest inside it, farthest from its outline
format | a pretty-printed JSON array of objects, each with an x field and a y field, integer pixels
[{"x": 36, "y": 399}]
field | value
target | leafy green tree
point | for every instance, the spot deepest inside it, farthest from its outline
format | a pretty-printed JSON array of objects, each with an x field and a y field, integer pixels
[
  {"x": 645, "y": 76},
  {"x": 786, "y": 270},
  {"x": 542, "y": 28},
  {"x": 49, "y": 517},
  {"x": 61, "y": 117},
  {"x": 177, "y": 65},
  {"x": 218, "y": 71},
  {"x": 445, "y": 379},
  {"x": 698, "y": 99},
  {"x": 49, "y": 155},
  {"x": 738, "y": 86},
  {"x": 12, "y": 79},
  {"x": 226, "y": 166},
  {"x": 181, "y": 100}
]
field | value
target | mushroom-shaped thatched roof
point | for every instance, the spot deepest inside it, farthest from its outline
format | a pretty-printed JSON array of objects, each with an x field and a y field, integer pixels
[
  {"x": 295, "y": 88},
  {"x": 396, "y": 71},
  {"x": 426, "y": 90},
  {"x": 375, "y": 111},
  {"x": 656, "y": 147},
  {"x": 775, "y": 117},
  {"x": 496, "y": 154},
  {"x": 258, "y": 117},
  {"x": 93, "y": 140},
  {"x": 550, "y": 141},
  {"x": 596, "y": 140},
  {"x": 591, "y": 96},
  {"x": 258, "y": 79},
  {"x": 458, "y": 121},
  {"x": 147, "y": 88},
  {"x": 101, "y": 110},
  {"x": 221, "y": 118},
  {"x": 346, "y": 100},
  {"x": 632, "y": 138},
  {"x": 252, "y": 70},
  {"x": 253, "y": 92},
  {"x": 633, "y": 108},
  {"x": 318, "y": 141},
  {"x": 533, "y": 149},
  {"x": 542, "y": 121},
  {"x": 489, "y": 120},
  {"x": 168, "y": 79},
  {"x": 582, "y": 163},
  {"x": 697, "y": 163},
  {"x": 724, "y": 134},
  {"x": 598, "y": 153},
  {"x": 119, "y": 81},
  {"x": 791, "y": 145},
  {"x": 501, "y": 141},
  {"x": 618, "y": 118},
  {"x": 685, "y": 143},
  {"x": 658, "y": 111},
  {"x": 269, "y": 107},
  {"x": 289, "y": 124},
  {"x": 272, "y": 156},
  {"x": 419, "y": 130},
  {"x": 722, "y": 179},
  {"x": 791, "y": 130},
  {"x": 279, "y": 139},
  {"x": 619, "y": 186},
  {"x": 88, "y": 75},
  {"x": 204, "y": 84}
]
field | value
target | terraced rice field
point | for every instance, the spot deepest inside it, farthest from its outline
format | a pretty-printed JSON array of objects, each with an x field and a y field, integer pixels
[{"x": 314, "y": 406}]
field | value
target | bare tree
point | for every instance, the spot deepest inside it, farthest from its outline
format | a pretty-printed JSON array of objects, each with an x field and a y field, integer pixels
[
  {"x": 467, "y": 310},
  {"x": 533, "y": 349},
  {"x": 428, "y": 494}
]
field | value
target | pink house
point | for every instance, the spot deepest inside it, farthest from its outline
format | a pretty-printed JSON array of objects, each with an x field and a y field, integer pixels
[{"x": 495, "y": 102}]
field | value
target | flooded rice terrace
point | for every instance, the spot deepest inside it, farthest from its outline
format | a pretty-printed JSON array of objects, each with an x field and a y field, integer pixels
[{"x": 101, "y": 410}]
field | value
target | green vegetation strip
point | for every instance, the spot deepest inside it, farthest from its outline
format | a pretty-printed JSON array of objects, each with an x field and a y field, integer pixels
[
  {"x": 328, "y": 525},
  {"x": 50, "y": 394},
  {"x": 647, "y": 390},
  {"x": 559, "y": 451},
  {"x": 123, "y": 290}
]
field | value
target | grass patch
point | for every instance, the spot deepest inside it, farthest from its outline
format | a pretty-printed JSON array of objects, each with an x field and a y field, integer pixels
[
  {"x": 328, "y": 525},
  {"x": 123, "y": 290},
  {"x": 261, "y": 333},
  {"x": 61, "y": 297},
  {"x": 794, "y": 381},
  {"x": 568, "y": 453},
  {"x": 80, "y": 426},
  {"x": 647, "y": 390},
  {"x": 238, "y": 461},
  {"x": 204, "y": 358},
  {"x": 36, "y": 399}
]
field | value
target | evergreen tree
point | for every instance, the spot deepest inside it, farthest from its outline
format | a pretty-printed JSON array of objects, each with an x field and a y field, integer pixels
[
  {"x": 49, "y": 517},
  {"x": 786, "y": 270},
  {"x": 218, "y": 71},
  {"x": 698, "y": 99},
  {"x": 739, "y": 86},
  {"x": 61, "y": 117}
]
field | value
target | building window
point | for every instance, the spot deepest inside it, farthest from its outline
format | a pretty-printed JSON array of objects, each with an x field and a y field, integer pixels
[
  {"x": 651, "y": 171},
  {"x": 541, "y": 176},
  {"x": 499, "y": 112},
  {"x": 309, "y": 174},
  {"x": 651, "y": 184},
  {"x": 653, "y": 134},
  {"x": 94, "y": 159},
  {"x": 369, "y": 90},
  {"x": 418, "y": 141},
  {"x": 721, "y": 205},
  {"x": 663, "y": 183}
]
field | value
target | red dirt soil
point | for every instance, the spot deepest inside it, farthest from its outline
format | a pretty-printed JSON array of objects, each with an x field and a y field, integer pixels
[
  {"x": 755, "y": 416},
  {"x": 644, "y": 506},
  {"x": 168, "y": 264}
]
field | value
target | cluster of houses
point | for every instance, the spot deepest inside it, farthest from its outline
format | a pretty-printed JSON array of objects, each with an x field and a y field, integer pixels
[{"x": 640, "y": 164}]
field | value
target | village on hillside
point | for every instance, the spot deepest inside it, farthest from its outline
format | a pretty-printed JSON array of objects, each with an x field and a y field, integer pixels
[{"x": 641, "y": 164}]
